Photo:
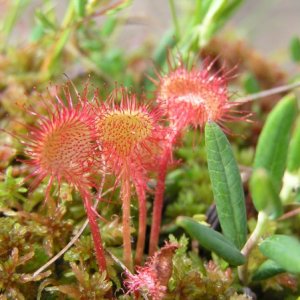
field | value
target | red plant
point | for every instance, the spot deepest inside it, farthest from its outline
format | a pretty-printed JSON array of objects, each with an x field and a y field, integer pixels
[
  {"x": 152, "y": 279},
  {"x": 196, "y": 96},
  {"x": 130, "y": 139},
  {"x": 145, "y": 281},
  {"x": 61, "y": 147},
  {"x": 189, "y": 97}
]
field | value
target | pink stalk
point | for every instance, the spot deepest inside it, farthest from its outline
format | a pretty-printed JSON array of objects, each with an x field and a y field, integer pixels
[
  {"x": 159, "y": 199},
  {"x": 131, "y": 139},
  {"x": 189, "y": 97},
  {"x": 125, "y": 195},
  {"x": 100, "y": 255},
  {"x": 141, "y": 193}
]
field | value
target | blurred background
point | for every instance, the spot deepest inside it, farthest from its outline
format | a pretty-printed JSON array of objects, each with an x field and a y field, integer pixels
[{"x": 267, "y": 25}]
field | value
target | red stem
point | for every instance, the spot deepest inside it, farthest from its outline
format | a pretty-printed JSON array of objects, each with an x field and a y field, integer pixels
[
  {"x": 159, "y": 199},
  {"x": 125, "y": 195},
  {"x": 100, "y": 255},
  {"x": 141, "y": 193}
]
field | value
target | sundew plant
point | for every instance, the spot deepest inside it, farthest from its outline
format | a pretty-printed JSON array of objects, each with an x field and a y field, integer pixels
[{"x": 169, "y": 169}]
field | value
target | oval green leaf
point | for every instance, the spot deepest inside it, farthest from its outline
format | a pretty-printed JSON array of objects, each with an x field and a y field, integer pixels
[
  {"x": 295, "y": 49},
  {"x": 212, "y": 240},
  {"x": 283, "y": 250},
  {"x": 79, "y": 6},
  {"x": 268, "y": 269},
  {"x": 227, "y": 185},
  {"x": 293, "y": 163},
  {"x": 272, "y": 147},
  {"x": 264, "y": 196}
]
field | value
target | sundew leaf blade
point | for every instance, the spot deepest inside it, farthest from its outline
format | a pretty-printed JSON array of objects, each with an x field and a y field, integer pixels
[
  {"x": 227, "y": 185},
  {"x": 212, "y": 240}
]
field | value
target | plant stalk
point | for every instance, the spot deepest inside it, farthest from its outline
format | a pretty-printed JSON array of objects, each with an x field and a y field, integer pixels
[
  {"x": 100, "y": 255},
  {"x": 251, "y": 243},
  {"x": 270, "y": 92},
  {"x": 141, "y": 193},
  {"x": 125, "y": 195},
  {"x": 158, "y": 199}
]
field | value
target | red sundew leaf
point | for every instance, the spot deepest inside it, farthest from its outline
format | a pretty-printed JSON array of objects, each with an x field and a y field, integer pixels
[
  {"x": 130, "y": 135},
  {"x": 62, "y": 145},
  {"x": 196, "y": 96}
]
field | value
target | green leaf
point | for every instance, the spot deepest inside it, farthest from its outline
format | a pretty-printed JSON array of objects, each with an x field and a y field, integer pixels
[
  {"x": 207, "y": 18},
  {"x": 212, "y": 240},
  {"x": 37, "y": 33},
  {"x": 227, "y": 185},
  {"x": 271, "y": 151},
  {"x": 251, "y": 85},
  {"x": 295, "y": 49},
  {"x": 293, "y": 160},
  {"x": 45, "y": 21},
  {"x": 264, "y": 196},
  {"x": 231, "y": 7},
  {"x": 108, "y": 26},
  {"x": 268, "y": 269},
  {"x": 79, "y": 6},
  {"x": 283, "y": 250},
  {"x": 10, "y": 190},
  {"x": 216, "y": 15}
]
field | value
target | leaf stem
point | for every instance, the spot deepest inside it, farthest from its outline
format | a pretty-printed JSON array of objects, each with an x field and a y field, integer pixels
[
  {"x": 100, "y": 255},
  {"x": 141, "y": 193},
  {"x": 175, "y": 19},
  {"x": 159, "y": 199},
  {"x": 204, "y": 30},
  {"x": 251, "y": 243},
  {"x": 125, "y": 195},
  {"x": 270, "y": 92}
]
